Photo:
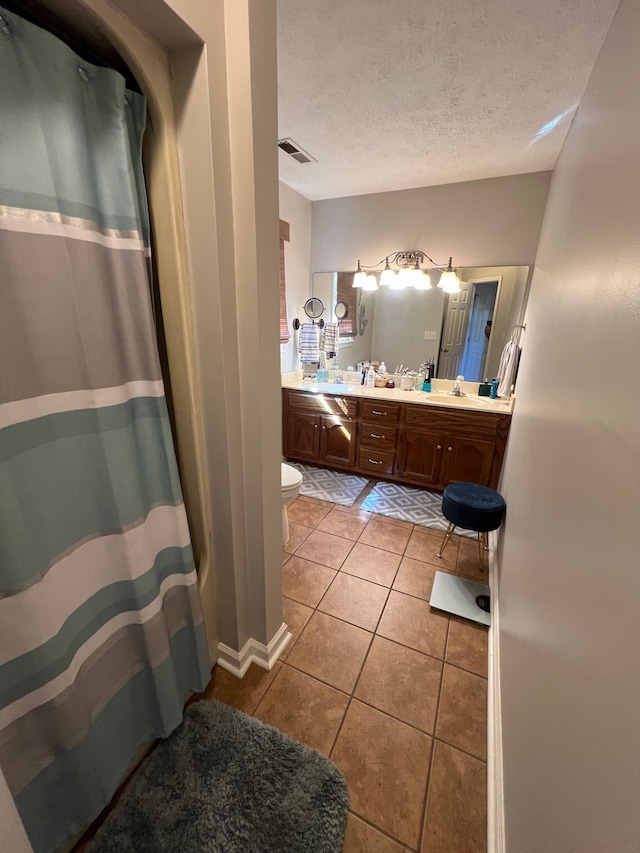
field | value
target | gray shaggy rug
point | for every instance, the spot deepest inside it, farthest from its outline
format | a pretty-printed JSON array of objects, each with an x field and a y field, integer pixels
[{"x": 224, "y": 782}]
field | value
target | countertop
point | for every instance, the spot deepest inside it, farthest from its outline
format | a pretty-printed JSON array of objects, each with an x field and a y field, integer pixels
[{"x": 437, "y": 397}]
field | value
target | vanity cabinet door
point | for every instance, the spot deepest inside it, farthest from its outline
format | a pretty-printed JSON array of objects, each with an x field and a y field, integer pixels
[
  {"x": 338, "y": 441},
  {"x": 467, "y": 460},
  {"x": 303, "y": 436},
  {"x": 420, "y": 456}
]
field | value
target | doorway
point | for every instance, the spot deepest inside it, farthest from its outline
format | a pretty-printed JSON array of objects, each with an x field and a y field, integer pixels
[
  {"x": 474, "y": 355},
  {"x": 467, "y": 328}
]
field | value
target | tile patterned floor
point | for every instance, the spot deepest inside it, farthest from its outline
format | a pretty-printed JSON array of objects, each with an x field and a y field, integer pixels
[{"x": 394, "y": 692}]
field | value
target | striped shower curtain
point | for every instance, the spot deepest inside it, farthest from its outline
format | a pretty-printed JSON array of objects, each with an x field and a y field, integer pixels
[{"x": 101, "y": 628}]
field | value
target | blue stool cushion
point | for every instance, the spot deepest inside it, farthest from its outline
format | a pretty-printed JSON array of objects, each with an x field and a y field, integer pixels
[{"x": 473, "y": 507}]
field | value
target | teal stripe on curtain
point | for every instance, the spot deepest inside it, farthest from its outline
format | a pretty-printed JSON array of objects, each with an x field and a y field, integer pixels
[
  {"x": 101, "y": 626},
  {"x": 76, "y": 148},
  {"x": 31, "y": 670},
  {"x": 111, "y": 465},
  {"x": 72, "y": 791}
]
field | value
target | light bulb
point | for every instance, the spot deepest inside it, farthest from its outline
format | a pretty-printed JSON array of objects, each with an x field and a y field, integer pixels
[
  {"x": 359, "y": 279},
  {"x": 387, "y": 277},
  {"x": 403, "y": 279},
  {"x": 370, "y": 282},
  {"x": 423, "y": 282},
  {"x": 449, "y": 282}
]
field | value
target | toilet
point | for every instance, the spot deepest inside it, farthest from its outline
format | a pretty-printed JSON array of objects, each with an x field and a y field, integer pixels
[{"x": 291, "y": 482}]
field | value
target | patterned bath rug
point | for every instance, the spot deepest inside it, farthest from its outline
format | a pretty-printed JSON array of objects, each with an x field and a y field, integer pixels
[
  {"x": 326, "y": 485},
  {"x": 224, "y": 782},
  {"x": 406, "y": 504}
]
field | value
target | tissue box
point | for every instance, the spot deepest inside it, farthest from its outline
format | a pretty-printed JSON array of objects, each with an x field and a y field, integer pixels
[{"x": 484, "y": 389}]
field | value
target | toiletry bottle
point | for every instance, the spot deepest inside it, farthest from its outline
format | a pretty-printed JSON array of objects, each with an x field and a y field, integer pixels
[
  {"x": 382, "y": 369},
  {"x": 494, "y": 389},
  {"x": 420, "y": 379},
  {"x": 426, "y": 385},
  {"x": 371, "y": 379}
]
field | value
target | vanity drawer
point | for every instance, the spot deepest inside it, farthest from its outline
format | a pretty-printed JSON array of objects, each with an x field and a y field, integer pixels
[
  {"x": 377, "y": 412},
  {"x": 448, "y": 421},
  {"x": 380, "y": 462},
  {"x": 323, "y": 404},
  {"x": 378, "y": 436}
]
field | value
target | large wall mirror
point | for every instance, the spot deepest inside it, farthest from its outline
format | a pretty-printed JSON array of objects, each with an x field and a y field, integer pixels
[{"x": 461, "y": 332}]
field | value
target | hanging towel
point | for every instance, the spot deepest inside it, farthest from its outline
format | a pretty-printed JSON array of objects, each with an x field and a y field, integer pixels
[
  {"x": 309, "y": 343},
  {"x": 330, "y": 338},
  {"x": 507, "y": 368}
]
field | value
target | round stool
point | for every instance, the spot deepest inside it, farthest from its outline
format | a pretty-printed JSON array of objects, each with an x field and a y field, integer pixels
[{"x": 472, "y": 507}]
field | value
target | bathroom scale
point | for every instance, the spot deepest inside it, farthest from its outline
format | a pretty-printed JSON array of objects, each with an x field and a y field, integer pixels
[{"x": 461, "y": 597}]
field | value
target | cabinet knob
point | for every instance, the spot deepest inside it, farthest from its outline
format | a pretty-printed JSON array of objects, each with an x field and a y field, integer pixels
[
  {"x": 439, "y": 447},
  {"x": 315, "y": 426},
  {"x": 449, "y": 448}
]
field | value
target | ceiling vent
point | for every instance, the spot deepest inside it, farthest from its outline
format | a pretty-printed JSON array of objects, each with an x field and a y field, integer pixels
[{"x": 293, "y": 150}]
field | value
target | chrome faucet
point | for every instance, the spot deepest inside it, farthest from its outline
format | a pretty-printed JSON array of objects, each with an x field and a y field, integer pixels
[
  {"x": 456, "y": 391},
  {"x": 339, "y": 380}
]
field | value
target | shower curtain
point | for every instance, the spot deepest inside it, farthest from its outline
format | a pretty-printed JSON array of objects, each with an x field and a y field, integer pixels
[{"x": 101, "y": 628}]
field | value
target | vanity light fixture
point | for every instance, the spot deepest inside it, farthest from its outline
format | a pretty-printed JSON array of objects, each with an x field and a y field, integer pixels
[{"x": 408, "y": 274}]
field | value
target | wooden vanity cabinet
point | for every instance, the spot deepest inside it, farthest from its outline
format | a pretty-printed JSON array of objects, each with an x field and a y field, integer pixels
[
  {"x": 320, "y": 429},
  {"x": 426, "y": 446}
]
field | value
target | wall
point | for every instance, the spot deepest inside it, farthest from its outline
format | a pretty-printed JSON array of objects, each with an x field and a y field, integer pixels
[
  {"x": 570, "y": 573},
  {"x": 494, "y": 222},
  {"x": 222, "y": 56},
  {"x": 296, "y": 210}
]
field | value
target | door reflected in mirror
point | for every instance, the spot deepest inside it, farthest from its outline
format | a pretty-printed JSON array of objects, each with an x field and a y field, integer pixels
[{"x": 462, "y": 333}]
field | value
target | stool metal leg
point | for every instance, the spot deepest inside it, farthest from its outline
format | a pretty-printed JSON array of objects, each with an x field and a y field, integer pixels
[
  {"x": 483, "y": 545},
  {"x": 447, "y": 538}
]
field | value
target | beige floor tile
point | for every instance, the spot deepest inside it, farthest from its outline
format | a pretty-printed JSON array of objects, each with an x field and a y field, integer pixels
[
  {"x": 385, "y": 763},
  {"x": 285, "y": 556},
  {"x": 469, "y": 561},
  {"x": 363, "y": 838},
  {"x": 401, "y": 682},
  {"x": 331, "y": 650},
  {"x": 355, "y": 600},
  {"x": 354, "y": 510},
  {"x": 415, "y": 578},
  {"x": 462, "y": 715},
  {"x": 308, "y": 511},
  {"x": 372, "y": 564},
  {"x": 242, "y": 693},
  {"x": 386, "y": 519},
  {"x": 412, "y": 622},
  {"x": 296, "y": 616},
  {"x": 303, "y": 708},
  {"x": 456, "y": 817},
  {"x": 423, "y": 545},
  {"x": 325, "y": 548},
  {"x": 305, "y": 581},
  {"x": 297, "y": 534},
  {"x": 389, "y": 537},
  {"x": 467, "y": 645},
  {"x": 347, "y": 524}
]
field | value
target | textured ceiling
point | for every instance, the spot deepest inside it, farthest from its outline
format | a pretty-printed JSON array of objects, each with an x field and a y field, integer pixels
[{"x": 392, "y": 94}]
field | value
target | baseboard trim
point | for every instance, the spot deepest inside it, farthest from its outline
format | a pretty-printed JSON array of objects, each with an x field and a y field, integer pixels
[
  {"x": 253, "y": 651},
  {"x": 495, "y": 784}
]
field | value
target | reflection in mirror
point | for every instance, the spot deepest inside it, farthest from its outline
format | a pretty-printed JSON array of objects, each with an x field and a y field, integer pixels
[{"x": 461, "y": 332}]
